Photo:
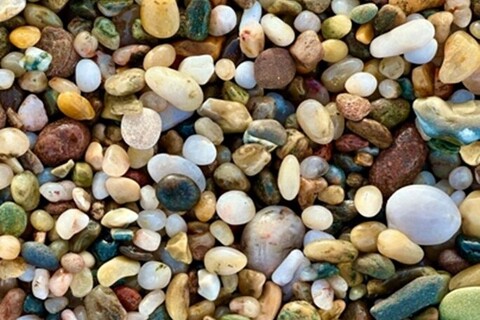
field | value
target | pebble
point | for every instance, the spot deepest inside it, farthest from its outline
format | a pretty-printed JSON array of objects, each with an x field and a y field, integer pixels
[
  {"x": 375, "y": 265},
  {"x": 222, "y": 232},
  {"x": 200, "y": 68},
  {"x": 252, "y": 39},
  {"x": 177, "y": 298},
  {"x": 289, "y": 177},
  {"x": 179, "y": 89},
  {"x": 115, "y": 161},
  {"x": 315, "y": 121},
  {"x": 353, "y": 107},
  {"x": 41, "y": 279},
  {"x": 208, "y": 285},
  {"x": 10, "y": 247},
  {"x": 6, "y": 175},
  {"x": 368, "y": 201},
  {"x": 397, "y": 246},
  {"x": 152, "y": 219},
  {"x": 13, "y": 142},
  {"x": 87, "y": 75},
  {"x": 177, "y": 192},
  {"x": 460, "y": 178},
  {"x": 39, "y": 255},
  {"x": 422, "y": 228},
  {"x": 118, "y": 218},
  {"x": 231, "y": 116},
  {"x": 301, "y": 310},
  {"x": 102, "y": 303},
  {"x": 178, "y": 247},
  {"x": 11, "y": 305},
  {"x": 7, "y": 77},
  {"x": 10, "y": 8},
  {"x": 277, "y": 31},
  {"x": 123, "y": 190},
  {"x": 285, "y": 272},
  {"x": 401, "y": 163},
  {"x": 307, "y": 51},
  {"x": 245, "y": 306},
  {"x": 141, "y": 130},
  {"x": 423, "y": 55},
  {"x": 235, "y": 207},
  {"x": 336, "y": 27},
  {"x": 154, "y": 275},
  {"x": 470, "y": 226},
  {"x": 82, "y": 283},
  {"x": 32, "y": 113},
  {"x": 199, "y": 150},
  {"x": 333, "y": 251},
  {"x": 147, "y": 240},
  {"x": 54, "y": 144},
  {"x": 13, "y": 219},
  {"x": 245, "y": 75},
  {"x": 25, "y": 190},
  {"x": 116, "y": 269},
  {"x": 307, "y": 20},
  {"x": 416, "y": 295},
  {"x": 85, "y": 44},
  {"x": 71, "y": 222},
  {"x": 126, "y": 82},
  {"x": 75, "y": 106},
  {"x": 224, "y": 261},
  {"x": 225, "y": 69},
  {"x": 151, "y": 301},
  {"x": 274, "y": 68},
  {"x": 397, "y": 41},
  {"x": 222, "y": 20},
  {"x": 460, "y": 46},
  {"x": 460, "y": 304},
  {"x": 362, "y": 84},
  {"x": 317, "y": 217}
]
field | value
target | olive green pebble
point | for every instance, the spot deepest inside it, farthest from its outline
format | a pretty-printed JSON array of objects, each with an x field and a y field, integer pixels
[
  {"x": 42, "y": 221},
  {"x": 390, "y": 112},
  {"x": 106, "y": 33},
  {"x": 336, "y": 27},
  {"x": 82, "y": 175},
  {"x": 298, "y": 310},
  {"x": 13, "y": 219},
  {"x": 4, "y": 43},
  {"x": 375, "y": 265},
  {"x": 461, "y": 304},
  {"x": 64, "y": 169},
  {"x": 25, "y": 190},
  {"x": 233, "y": 92},
  {"x": 364, "y": 13}
]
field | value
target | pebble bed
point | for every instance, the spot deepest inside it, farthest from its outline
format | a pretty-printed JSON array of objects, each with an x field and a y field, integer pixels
[{"x": 239, "y": 159}]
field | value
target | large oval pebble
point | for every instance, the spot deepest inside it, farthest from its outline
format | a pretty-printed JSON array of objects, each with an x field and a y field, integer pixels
[
  {"x": 116, "y": 269},
  {"x": 13, "y": 142},
  {"x": 427, "y": 215},
  {"x": 161, "y": 19},
  {"x": 141, "y": 130},
  {"x": 178, "y": 88},
  {"x": 224, "y": 261},
  {"x": 315, "y": 121},
  {"x": 235, "y": 207}
]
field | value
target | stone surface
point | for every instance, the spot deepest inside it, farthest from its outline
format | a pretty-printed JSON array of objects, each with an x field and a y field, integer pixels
[
  {"x": 13, "y": 219},
  {"x": 177, "y": 192},
  {"x": 397, "y": 246},
  {"x": 161, "y": 20},
  {"x": 461, "y": 304},
  {"x": 11, "y": 305},
  {"x": 399, "y": 165},
  {"x": 102, "y": 303},
  {"x": 274, "y": 68}
]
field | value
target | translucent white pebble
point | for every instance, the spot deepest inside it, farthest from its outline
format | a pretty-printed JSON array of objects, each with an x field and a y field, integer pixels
[
  {"x": 458, "y": 196},
  {"x": 344, "y": 6},
  {"x": 307, "y": 20},
  {"x": 208, "y": 285},
  {"x": 222, "y": 20},
  {"x": 277, "y": 31},
  {"x": 424, "y": 54},
  {"x": 339, "y": 286},
  {"x": 322, "y": 294},
  {"x": 199, "y": 67},
  {"x": 361, "y": 83},
  {"x": 253, "y": 13},
  {"x": 28, "y": 275},
  {"x": 389, "y": 89},
  {"x": 40, "y": 284},
  {"x": 245, "y": 76},
  {"x": 235, "y": 207},
  {"x": 172, "y": 116},
  {"x": 313, "y": 167},
  {"x": 314, "y": 235},
  {"x": 368, "y": 201},
  {"x": 154, "y": 275},
  {"x": 87, "y": 75},
  {"x": 199, "y": 150},
  {"x": 7, "y": 77},
  {"x": 317, "y": 217},
  {"x": 286, "y": 270},
  {"x": 154, "y": 219},
  {"x": 289, "y": 177},
  {"x": 151, "y": 302},
  {"x": 460, "y": 178},
  {"x": 175, "y": 224},
  {"x": 99, "y": 189}
]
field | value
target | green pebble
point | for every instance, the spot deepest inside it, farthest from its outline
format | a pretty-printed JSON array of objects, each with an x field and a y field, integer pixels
[
  {"x": 198, "y": 19},
  {"x": 50, "y": 97},
  {"x": 140, "y": 34},
  {"x": 84, "y": 9},
  {"x": 106, "y": 33},
  {"x": 112, "y": 8},
  {"x": 298, "y": 310},
  {"x": 82, "y": 175},
  {"x": 375, "y": 265},
  {"x": 25, "y": 190},
  {"x": 62, "y": 170},
  {"x": 82, "y": 240},
  {"x": 13, "y": 219},
  {"x": 59, "y": 248},
  {"x": 160, "y": 314},
  {"x": 418, "y": 294},
  {"x": 285, "y": 7},
  {"x": 390, "y": 112},
  {"x": 233, "y": 92},
  {"x": 336, "y": 27},
  {"x": 468, "y": 248},
  {"x": 461, "y": 304},
  {"x": 364, "y": 13},
  {"x": 233, "y": 317}
]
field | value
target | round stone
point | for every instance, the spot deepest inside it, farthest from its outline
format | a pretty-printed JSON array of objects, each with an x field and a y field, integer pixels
[
  {"x": 274, "y": 68},
  {"x": 177, "y": 192},
  {"x": 13, "y": 219},
  {"x": 317, "y": 217},
  {"x": 160, "y": 19},
  {"x": 460, "y": 178},
  {"x": 87, "y": 75},
  {"x": 224, "y": 261},
  {"x": 154, "y": 275},
  {"x": 429, "y": 219},
  {"x": 199, "y": 150},
  {"x": 7, "y": 77},
  {"x": 10, "y": 247},
  {"x": 32, "y": 113},
  {"x": 141, "y": 130},
  {"x": 368, "y": 201},
  {"x": 362, "y": 84},
  {"x": 313, "y": 167},
  {"x": 235, "y": 207},
  {"x": 396, "y": 245}
]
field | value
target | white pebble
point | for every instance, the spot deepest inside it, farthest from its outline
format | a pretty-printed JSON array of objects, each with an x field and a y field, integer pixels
[
  {"x": 87, "y": 75},
  {"x": 199, "y": 149},
  {"x": 222, "y": 20},
  {"x": 57, "y": 191},
  {"x": 151, "y": 301},
  {"x": 200, "y": 68},
  {"x": 389, "y": 89},
  {"x": 286, "y": 270},
  {"x": 368, "y": 201},
  {"x": 424, "y": 54},
  {"x": 361, "y": 83},
  {"x": 208, "y": 285},
  {"x": 7, "y": 77},
  {"x": 172, "y": 116},
  {"x": 280, "y": 33},
  {"x": 222, "y": 232},
  {"x": 71, "y": 222},
  {"x": 154, "y": 275},
  {"x": 175, "y": 224},
  {"x": 6, "y": 175},
  {"x": 254, "y": 13},
  {"x": 28, "y": 275},
  {"x": 225, "y": 69},
  {"x": 289, "y": 177},
  {"x": 307, "y": 20},
  {"x": 344, "y": 6},
  {"x": 339, "y": 286},
  {"x": 40, "y": 284},
  {"x": 245, "y": 75},
  {"x": 141, "y": 130},
  {"x": 322, "y": 294},
  {"x": 148, "y": 198},
  {"x": 147, "y": 240},
  {"x": 153, "y": 219},
  {"x": 317, "y": 217},
  {"x": 99, "y": 189},
  {"x": 235, "y": 207},
  {"x": 314, "y": 235},
  {"x": 460, "y": 178}
]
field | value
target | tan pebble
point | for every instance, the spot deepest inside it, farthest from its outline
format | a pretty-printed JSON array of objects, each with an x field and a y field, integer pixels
[
  {"x": 317, "y": 217},
  {"x": 225, "y": 69},
  {"x": 270, "y": 301},
  {"x": 368, "y": 201},
  {"x": 115, "y": 269},
  {"x": 123, "y": 190},
  {"x": 231, "y": 116},
  {"x": 115, "y": 161},
  {"x": 200, "y": 310},
  {"x": 332, "y": 195},
  {"x": 94, "y": 155},
  {"x": 469, "y": 211},
  {"x": 205, "y": 207},
  {"x": 365, "y": 33},
  {"x": 177, "y": 298},
  {"x": 289, "y": 177},
  {"x": 470, "y": 153},
  {"x": 222, "y": 232},
  {"x": 392, "y": 67},
  {"x": 147, "y": 240},
  {"x": 119, "y": 218},
  {"x": 178, "y": 248},
  {"x": 251, "y": 282},
  {"x": 160, "y": 19},
  {"x": 162, "y": 55},
  {"x": 245, "y": 306},
  {"x": 364, "y": 235},
  {"x": 82, "y": 283},
  {"x": 442, "y": 21},
  {"x": 469, "y": 277},
  {"x": 224, "y": 260},
  {"x": 397, "y": 246},
  {"x": 72, "y": 262},
  {"x": 334, "y": 50},
  {"x": 10, "y": 247},
  {"x": 333, "y": 251},
  {"x": 12, "y": 268}
]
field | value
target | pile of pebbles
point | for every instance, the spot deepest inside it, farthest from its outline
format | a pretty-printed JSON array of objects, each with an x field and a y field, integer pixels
[{"x": 235, "y": 160}]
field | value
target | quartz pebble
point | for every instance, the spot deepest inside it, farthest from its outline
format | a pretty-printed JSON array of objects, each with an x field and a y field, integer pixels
[
  {"x": 208, "y": 285},
  {"x": 362, "y": 84},
  {"x": 315, "y": 121},
  {"x": 224, "y": 261},
  {"x": 32, "y": 113},
  {"x": 154, "y": 275},
  {"x": 7, "y": 77},
  {"x": 222, "y": 20},
  {"x": 368, "y": 201},
  {"x": 200, "y": 68},
  {"x": 141, "y": 130},
  {"x": 199, "y": 150},
  {"x": 317, "y": 217},
  {"x": 235, "y": 207},
  {"x": 70, "y": 222},
  {"x": 289, "y": 177},
  {"x": 87, "y": 75}
]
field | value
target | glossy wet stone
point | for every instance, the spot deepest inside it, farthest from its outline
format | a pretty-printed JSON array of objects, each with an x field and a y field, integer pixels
[{"x": 177, "y": 192}]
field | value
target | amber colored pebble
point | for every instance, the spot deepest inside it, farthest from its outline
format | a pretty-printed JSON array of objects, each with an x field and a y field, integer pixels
[
  {"x": 212, "y": 46},
  {"x": 25, "y": 36},
  {"x": 365, "y": 33},
  {"x": 75, "y": 106},
  {"x": 422, "y": 77}
]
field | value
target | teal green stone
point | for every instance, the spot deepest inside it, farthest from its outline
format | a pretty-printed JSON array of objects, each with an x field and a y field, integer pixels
[
  {"x": 121, "y": 234},
  {"x": 113, "y": 7},
  {"x": 13, "y": 219},
  {"x": 418, "y": 294},
  {"x": 177, "y": 192},
  {"x": 106, "y": 33},
  {"x": 468, "y": 248},
  {"x": 363, "y": 13},
  {"x": 39, "y": 255},
  {"x": 461, "y": 304},
  {"x": 390, "y": 112},
  {"x": 266, "y": 188},
  {"x": 56, "y": 316},
  {"x": 82, "y": 240},
  {"x": 84, "y": 8},
  {"x": 50, "y": 97},
  {"x": 32, "y": 305},
  {"x": 444, "y": 146},
  {"x": 375, "y": 265},
  {"x": 198, "y": 19},
  {"x": 317, "y": 271},
  {"x": 335, "y": 175},
  {"x": 407, "y": 89},
  {"x": 160, "y": 314},
  {"x": 105, "y": 249}
]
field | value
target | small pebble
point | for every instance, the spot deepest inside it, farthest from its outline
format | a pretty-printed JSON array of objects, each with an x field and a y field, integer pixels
[{"x": 235, "y": 207}]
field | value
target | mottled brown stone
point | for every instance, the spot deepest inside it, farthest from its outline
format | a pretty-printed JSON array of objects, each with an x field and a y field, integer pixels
[
  {"x": 350, "y": 142},
  {"x": 451, "y": 261},
  {"x": 11, "y": 306},
  {"x": 274, "y": 68}
]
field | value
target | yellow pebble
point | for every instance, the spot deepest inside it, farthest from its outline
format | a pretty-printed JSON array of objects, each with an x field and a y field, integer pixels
[
  {"x": 395, "y": 245},
  {"x": 25, "y": 37},
  {"x": 75, "y": 106},
  {"x": 9, "y": 247},
  {"x": 335, "y": 50},
  {"x": 205, "y": 208},
  {"x": 365, "y": 33},
  {"x": 63, "y": 85},
  {"x": 42, "y": 221}
]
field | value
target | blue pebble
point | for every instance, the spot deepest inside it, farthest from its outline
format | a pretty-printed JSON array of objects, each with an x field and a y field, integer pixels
[
  {"x": 104, "y": 249},
  {"x": 39, "y": 255},
  {"x": 335, "y": 175},
  {"x": 283, "y": 108},
  {"x": 461, "y": 96},
  {"x": 46, "y": 176},
  {"x": 33, "y": 305}
]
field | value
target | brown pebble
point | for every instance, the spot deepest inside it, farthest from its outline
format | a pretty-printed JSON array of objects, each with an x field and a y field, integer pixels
[
  {"x": 139, "y": 175},
  {"x": 11, "y": 98},
  {"x": 274, "y": 68},
  {"x": 356, "y": 310},
  {"x": 211, "y": 46},
  {"x": 11, "y": 306},
  {"x": 59, "y": 43},
  {"x": 373, "y": 131},
  {"x": 171, "y": 142},
  {"x": 200, "y": 243},
  {"x": 61, "y": 141},
  {"x": 353, "y": 107},
  {"x": 3, "y": 117},
  {"x": 450, "y": 260},
  {"x": 57, "y": 208},
  {"x": 129, "y": 298},
  {"x": 309, "y": 191},
  {"x": 350, "y": 142},
  {"x": 307, "y": 51},
  {"x": 398, "y": 165}
]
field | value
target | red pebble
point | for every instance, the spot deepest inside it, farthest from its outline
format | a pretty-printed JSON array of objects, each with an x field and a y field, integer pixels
[
  {"x": 350, "y": 142},
  {"x": 129, "y": 298}
]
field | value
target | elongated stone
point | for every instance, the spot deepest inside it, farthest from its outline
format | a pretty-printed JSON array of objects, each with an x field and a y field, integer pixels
[
  {"x": 231, "y": 116},
  {"x": 116, "y": 269},
  {"x": 333, "y": 251},
  {"x": 160, "y": 19}
]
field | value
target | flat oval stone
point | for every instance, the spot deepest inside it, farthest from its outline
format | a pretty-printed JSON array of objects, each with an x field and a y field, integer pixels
[
  {"x": 224, "y": 261},
  {"x": 399, "y": 40},
  {"x": 10, "y": 8},
  {"x": 199, "y": 150},
  {"x": 289, "y": 177},
  {"x": 13, "y": 219},
  {"x": 154, "y": 275},
  {"x": 180, "y": 89},
  {"x": 141, "y": 130},
  {"x": 13, "y": 142},
  {"x": 274, "y": 68},
  {"x": 70, "y": 223},
  {"x": 315, "y": 121},
  {"x": 177, "y": 192},
  {"x": 160, "y": 19},
  {"x": 461, "y": 304},
  {"x": 235, "y": 207},
  {"x": 87, "y": 75},
  {"x": 61, "y": 141},
  {"x": 333, "y": 251},
  {"x": 39, "y": 255},
  {"x": 430, "y": 219},
  {"x": 116, "y": 269}
]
